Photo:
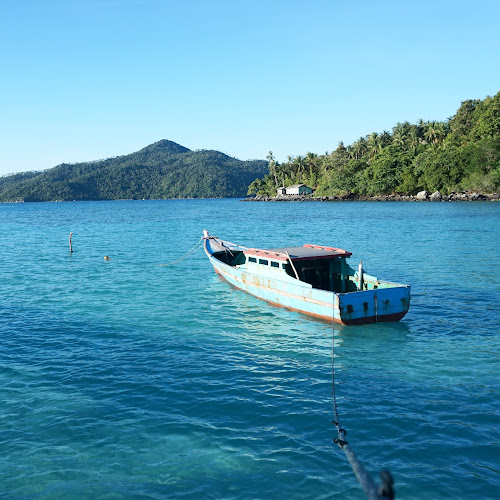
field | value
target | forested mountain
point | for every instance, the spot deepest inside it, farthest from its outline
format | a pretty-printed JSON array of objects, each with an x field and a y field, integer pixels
[
  {"x": 161, "y": 170},
  {"x": 461, "y": 154}
]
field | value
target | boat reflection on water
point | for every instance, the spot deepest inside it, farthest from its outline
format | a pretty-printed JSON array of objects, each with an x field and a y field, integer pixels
[{"x": 252, "y": 321}]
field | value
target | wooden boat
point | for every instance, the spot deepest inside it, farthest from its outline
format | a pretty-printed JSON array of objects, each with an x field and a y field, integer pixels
[{"x": 312, "y": 279}]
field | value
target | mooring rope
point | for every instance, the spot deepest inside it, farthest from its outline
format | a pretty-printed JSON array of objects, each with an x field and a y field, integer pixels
[
  {"x": 372, "y": 492},
  {"x": 193, "y": 250}
]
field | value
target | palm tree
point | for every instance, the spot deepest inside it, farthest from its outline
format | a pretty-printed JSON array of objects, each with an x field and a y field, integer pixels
[
  {"x": 373, "y": 143},
  {"x": 435, "y": 132},
  {"x": 363, "y": 146},
  {"x": 299, "y": 162},
  {"x": 400, "y": 132},
  {"x": 288, "y": 168},
  {"x": 311, "y": 161},
  {"x": 385, "y": 139},
  {"x": 441, "y": 132},
  {"x": 272, "y": 167},
  {"x": 421, "y": 127},
  {"x": 414, "y": 139},
  {"x": 326, "y": 162},
  {"x": 359, "y": 148}
]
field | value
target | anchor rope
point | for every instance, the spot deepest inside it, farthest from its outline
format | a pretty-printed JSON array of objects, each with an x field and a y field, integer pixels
[
  {"x": 372, "y": 492},
  {"x": 193, "y": 250}
]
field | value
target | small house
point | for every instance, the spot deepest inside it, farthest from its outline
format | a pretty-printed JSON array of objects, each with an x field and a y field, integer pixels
[
  {"x": 298, "y": 189},
  {"x": 281, "y": 191}
]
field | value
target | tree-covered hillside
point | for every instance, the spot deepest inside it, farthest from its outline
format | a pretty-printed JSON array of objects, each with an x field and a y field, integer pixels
[
  {"x": 461, "y": 154},
  {"x": 162, "y": 170}
]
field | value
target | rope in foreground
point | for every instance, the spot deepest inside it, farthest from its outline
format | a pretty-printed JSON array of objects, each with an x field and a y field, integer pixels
[{"x": 370, "y": 488}]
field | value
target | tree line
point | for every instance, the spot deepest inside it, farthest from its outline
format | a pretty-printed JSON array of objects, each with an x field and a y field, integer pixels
[{"x": 459, "y": 154}]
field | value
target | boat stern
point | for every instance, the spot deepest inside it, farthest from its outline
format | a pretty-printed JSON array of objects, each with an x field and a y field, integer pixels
[{"x": 373, "y": 306}]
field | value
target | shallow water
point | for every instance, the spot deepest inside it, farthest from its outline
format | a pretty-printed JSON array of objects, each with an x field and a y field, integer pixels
[{"x": 128, "y": 379}]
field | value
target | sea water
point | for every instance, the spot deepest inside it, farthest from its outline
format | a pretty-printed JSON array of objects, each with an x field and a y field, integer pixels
[{"x": 127, "y": 378}]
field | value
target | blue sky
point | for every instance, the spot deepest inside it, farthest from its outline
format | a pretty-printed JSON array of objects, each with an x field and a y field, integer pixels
[{"x": 89, "y": 79}]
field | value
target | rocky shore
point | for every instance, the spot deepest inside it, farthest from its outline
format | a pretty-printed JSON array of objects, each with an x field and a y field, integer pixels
[{"x": 422, "y": 196}]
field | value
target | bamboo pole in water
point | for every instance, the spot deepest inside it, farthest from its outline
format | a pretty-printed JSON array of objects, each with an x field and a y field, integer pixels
[{"x": 70, "y": 247}]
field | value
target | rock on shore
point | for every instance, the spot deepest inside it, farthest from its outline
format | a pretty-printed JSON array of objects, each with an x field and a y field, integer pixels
[{"x": 422, "y": 196}]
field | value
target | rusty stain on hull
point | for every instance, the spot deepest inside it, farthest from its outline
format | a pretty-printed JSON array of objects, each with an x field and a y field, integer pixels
[
  {"x": 358, "y": 321},
  {"x": 277, "y": 304}
]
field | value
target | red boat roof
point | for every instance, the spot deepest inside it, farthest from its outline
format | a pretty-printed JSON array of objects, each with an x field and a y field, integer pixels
[{"x": 306, "y": 252}]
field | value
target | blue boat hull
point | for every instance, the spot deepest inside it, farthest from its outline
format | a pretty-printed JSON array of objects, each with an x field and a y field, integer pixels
[{"x": 353, "y": 308}]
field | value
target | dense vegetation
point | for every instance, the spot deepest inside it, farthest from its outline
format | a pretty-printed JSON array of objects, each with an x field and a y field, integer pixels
[
  {"x": 461, "y": 154},
  {"x": 162, "y": 170}
]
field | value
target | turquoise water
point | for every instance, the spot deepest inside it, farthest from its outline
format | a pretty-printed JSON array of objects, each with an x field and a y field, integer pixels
[{"x": 128, "y": 379}]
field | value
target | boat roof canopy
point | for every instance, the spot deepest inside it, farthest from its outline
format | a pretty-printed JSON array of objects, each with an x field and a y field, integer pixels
[{"x": 306, "y": 252}]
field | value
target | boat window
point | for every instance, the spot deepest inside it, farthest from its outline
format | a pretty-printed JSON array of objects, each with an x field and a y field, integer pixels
[
  {"x": 283, "y": 266},
  {"x": 252, "y": 259},
  {"x": 263, "y": 262},
  {"x": 275, "y": 264}
]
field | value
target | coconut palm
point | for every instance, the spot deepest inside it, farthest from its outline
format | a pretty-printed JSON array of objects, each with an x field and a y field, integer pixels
[
  {"x": 385, "y": 138},
  {"x": 363, "y": 146},
  {"x": 311, "y": 160},
  {"x": 359, "y": 148},
  {"x": 435, "y": 132},
  {"x": 373, "y": 143},
  {"x": 288, "y": 168},
  {"x": 272, "y": 167},
  {"x": 414, "y": 139},
  {"x": 400, "y": 132},
  {"x": 300, "y": 164}
]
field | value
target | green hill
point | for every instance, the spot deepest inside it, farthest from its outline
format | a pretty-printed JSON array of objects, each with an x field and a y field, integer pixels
[{"x": 161, "y": 170}]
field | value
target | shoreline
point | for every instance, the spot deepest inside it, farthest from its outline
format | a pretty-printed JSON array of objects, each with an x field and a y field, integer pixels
[{"x": 423, "y": 196}]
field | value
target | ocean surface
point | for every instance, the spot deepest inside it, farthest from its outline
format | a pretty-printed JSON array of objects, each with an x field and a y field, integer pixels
[{"x": 128, "y": 379}]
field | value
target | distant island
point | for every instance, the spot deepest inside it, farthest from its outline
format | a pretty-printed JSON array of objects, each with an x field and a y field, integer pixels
[
  {"x": 460, "y": 155},
  {"x": 159, "y": 171}
]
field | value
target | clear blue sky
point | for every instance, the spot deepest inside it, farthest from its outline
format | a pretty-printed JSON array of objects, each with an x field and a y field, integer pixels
[{"x": 88, "y": 79}]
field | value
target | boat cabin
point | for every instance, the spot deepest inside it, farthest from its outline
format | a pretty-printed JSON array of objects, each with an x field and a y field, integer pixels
[{"x": 324, "y": 268}]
